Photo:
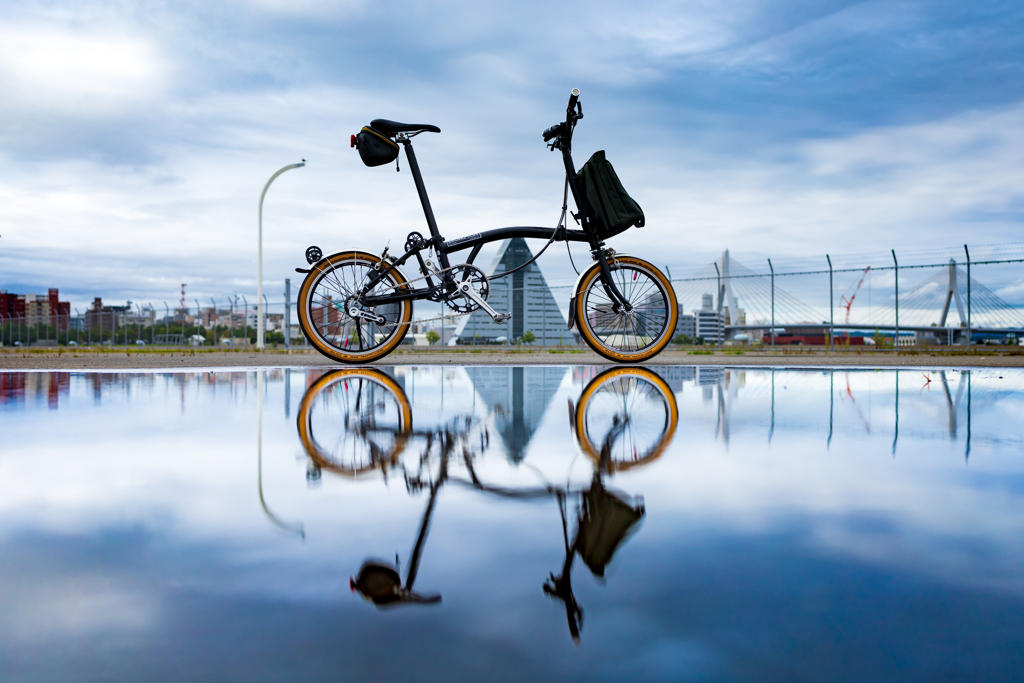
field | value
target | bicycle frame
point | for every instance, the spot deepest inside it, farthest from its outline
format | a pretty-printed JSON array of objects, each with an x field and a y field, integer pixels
[{"x": 476, "y": 241}]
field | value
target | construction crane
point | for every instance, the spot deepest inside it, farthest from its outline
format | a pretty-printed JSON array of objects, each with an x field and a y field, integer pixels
[{"x": 846, "y": 303}]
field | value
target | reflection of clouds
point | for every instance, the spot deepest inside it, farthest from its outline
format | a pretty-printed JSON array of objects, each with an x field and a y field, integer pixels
[
  {"x": 186, "y": 480},
  {"x": 75, "y": 607}
]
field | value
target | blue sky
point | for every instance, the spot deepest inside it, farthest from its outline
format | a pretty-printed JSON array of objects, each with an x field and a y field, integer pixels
[{"x": 135, "y": 136}]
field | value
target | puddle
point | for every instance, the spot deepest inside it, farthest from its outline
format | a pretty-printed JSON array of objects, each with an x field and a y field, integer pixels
[{"x": 510, "y": 523}]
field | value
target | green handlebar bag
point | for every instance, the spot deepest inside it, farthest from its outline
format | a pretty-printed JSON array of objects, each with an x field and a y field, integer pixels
[{"x": 609, "y": 206}]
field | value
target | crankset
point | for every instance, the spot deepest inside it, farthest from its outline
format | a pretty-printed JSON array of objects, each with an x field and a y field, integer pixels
[{"x": 467, "y": 278}]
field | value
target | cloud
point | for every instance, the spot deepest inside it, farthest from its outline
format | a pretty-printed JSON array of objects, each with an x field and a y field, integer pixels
[
  {"x": 75, "y": 73},
  {"x": 134, "y": 141}
]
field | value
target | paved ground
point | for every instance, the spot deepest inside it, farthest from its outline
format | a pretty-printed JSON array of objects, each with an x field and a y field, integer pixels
[{"x": 133, "y": 359}]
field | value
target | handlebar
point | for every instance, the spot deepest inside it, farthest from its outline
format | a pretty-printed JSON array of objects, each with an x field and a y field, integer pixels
[
  {"x": 570, "y": 118},
  {"x": 573, "y": 97}
]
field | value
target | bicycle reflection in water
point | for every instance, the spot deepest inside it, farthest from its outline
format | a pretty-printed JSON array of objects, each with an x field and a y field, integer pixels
[{"x": 358, "y": 422}]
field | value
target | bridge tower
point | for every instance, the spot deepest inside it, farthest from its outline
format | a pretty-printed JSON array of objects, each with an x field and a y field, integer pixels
[{"x": 952, "y": 292}]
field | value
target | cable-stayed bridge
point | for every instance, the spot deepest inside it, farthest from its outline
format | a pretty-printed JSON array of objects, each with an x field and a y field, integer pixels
[{"x": 940, "y": 300}]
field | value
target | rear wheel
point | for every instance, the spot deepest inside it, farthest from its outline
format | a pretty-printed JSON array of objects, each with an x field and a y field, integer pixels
[
  {"x": 633, "y": 333},
  {"x": 325, "y": 303},
  {"x": 354, "y": 422}
]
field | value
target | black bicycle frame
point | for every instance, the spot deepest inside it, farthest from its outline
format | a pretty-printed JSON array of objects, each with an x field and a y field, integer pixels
[{"x": 475, "y": 241}]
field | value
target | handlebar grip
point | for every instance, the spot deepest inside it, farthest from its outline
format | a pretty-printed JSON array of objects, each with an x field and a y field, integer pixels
[{"x": 573, "y": 96}]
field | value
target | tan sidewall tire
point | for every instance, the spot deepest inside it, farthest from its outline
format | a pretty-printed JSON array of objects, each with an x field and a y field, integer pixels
[
  {"x": 325, "y": 348},
  {"x": 309, "y": 398},
  {"x": 619, "y": 356},
  {"x": 594, "y": 452}
]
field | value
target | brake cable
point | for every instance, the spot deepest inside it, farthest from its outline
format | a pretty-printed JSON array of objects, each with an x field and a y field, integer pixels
[{"x": 558, "y": 232}]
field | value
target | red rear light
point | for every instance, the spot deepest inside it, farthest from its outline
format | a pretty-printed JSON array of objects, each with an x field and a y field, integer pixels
[{"x": 352, "y": 142}]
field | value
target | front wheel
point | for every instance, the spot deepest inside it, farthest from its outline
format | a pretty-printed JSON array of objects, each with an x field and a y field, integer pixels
[
  {"x": 325, "y": 301},
  {"x": 626, "y": 418},
  {"x": 633, "y": 333}
]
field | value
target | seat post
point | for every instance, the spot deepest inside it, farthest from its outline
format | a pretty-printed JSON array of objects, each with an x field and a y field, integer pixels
[{"x": 424, "y": 199}]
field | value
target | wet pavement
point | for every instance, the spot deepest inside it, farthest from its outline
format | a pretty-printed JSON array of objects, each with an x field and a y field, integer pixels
[{"x": 507, "y": 523}]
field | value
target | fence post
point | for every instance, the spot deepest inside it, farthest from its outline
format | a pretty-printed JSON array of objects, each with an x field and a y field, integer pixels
[
  {"x": 831, "y": 309},
  {"x": 288, "y": 313},
  {"x": 773, "y": 306},
  {"x": 968, "y": 298},
  {"x": 245, "y": 320},
  {"x": 896, "y": 339}
]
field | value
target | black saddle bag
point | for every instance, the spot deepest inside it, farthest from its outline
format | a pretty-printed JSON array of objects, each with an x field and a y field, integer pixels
[
  {"x": 375, "y": 148},
  {"x": 609, "y": 206}
]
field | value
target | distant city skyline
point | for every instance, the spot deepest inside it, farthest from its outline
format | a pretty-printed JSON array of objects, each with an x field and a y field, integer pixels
[{"x": 134, "y": 139}]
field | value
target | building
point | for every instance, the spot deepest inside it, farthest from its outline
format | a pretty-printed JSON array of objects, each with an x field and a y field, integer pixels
[
  {"x": 134, "y": 317},
  {"x": 36, "y": 309},
  {"x": 100, "y": 317},
  {"x": 686, "y": 325},
  {"x": 709, "y": 323},
  {"x": 12, "y": 306},
  {"x": 525, "y": 294}
]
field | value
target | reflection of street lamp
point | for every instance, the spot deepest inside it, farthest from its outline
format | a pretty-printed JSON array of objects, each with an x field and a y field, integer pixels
[
  {"x": 297, "y": 528},
  {"x": 259, "y": 256}
]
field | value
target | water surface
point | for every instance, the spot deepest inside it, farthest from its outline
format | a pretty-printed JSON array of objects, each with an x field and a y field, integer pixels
[{"x": 545, "y": 523}]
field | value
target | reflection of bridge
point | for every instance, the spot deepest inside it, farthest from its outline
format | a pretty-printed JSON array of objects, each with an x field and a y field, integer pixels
[
  {"x": 946, "y": 307},
  {"x": 722, "y": 385}
]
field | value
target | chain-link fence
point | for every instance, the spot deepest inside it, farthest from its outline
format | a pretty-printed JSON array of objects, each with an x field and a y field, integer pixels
[
  {"x": 844, "y": 305},
  {"x": 847, "y": 303}
]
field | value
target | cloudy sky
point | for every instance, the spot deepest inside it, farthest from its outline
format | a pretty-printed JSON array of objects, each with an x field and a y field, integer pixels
[{"x": 135, "y": 136}]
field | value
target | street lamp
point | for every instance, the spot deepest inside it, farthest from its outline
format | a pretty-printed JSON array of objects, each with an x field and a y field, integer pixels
[{"x": 259, "y": 256}]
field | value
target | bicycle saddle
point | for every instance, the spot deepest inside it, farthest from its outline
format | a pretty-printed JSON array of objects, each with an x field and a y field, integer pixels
[{"x": 392, "y": 127}]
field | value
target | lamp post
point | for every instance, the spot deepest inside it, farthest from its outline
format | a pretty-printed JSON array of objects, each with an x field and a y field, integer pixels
[{"x": 259, "y": 255}]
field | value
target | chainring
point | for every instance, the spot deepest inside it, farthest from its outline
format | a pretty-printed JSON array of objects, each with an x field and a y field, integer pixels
[{"x": 478, "y": 281}]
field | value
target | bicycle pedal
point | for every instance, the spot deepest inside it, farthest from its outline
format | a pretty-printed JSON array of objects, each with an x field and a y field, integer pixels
[{"x": 501, "y": 317}]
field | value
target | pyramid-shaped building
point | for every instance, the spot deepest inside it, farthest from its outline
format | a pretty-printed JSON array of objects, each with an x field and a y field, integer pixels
[{"x": 525, "y": 294}]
